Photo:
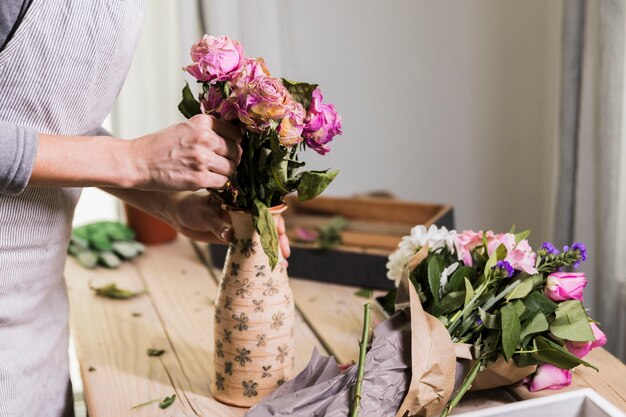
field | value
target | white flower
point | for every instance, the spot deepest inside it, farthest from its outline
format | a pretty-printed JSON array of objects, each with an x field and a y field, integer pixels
[
  {"x": 436, "y": 238},
  {"x": 445, "y": 275}
]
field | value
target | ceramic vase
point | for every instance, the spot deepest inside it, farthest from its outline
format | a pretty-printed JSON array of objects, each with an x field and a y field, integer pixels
[{"x": 254, "y": 319}]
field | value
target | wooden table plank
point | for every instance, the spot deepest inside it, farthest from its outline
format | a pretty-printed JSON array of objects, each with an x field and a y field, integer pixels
[
  {"x": 610, "y": 382},
  {"x": 111, "y": 339}
]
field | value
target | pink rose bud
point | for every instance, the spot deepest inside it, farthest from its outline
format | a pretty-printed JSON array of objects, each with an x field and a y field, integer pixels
[
  {"x": 581, "y": 349},
  {"x": 215, "y": 59},
  {"x": 550, "y": 377},
  {"x": 561, "y": 286}
]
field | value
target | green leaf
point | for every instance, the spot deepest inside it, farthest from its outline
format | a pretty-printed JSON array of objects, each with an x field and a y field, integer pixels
[
  {"x": 490, "y": 321},
  {"x": 537, "y": 324},
  {"x": 557, "y": 355},
  {"x": 520, "y": 308},
  {"x": 111, "y": 291},
  {"x": 525, "y": 287},
  {"x": 301, "y": 92},
  {"x": 521, "y": 236},
  {"x": 167, "y": 401},
  {"x": 457, "y": 280},
  {"x": 536, "y": 302},
  {"x": 497, "y": 255},
  {"x": 125, "y": 250},
  {"x": 525, "y": 359},
  {"x": 109, "y": 259},
  {"x": 87, "y": 258},
  {"x": 511, "y": 330},
  {"x": 469, "y": 294},
  {"x": 188, "y": 106},
  {"x": 571, "y": 322},
  {"x": 313, "y": 183},
  {"x": 264, "y": 224},
  {"x": 435, "y": 267},
  {"x": 155, "y": 352},
  {"x": 452, "y": 301}
]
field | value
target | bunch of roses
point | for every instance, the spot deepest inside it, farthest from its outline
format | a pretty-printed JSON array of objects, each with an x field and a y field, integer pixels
[{"x": 240, "y": 88}]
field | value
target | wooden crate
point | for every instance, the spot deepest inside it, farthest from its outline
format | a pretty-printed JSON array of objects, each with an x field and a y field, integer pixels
[{"x": 375, "y": 227}]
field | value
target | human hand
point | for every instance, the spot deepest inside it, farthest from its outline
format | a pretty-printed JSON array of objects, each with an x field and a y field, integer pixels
[
  {"x": 201, "y": 152},
  {"x": 200, "y": 217}
]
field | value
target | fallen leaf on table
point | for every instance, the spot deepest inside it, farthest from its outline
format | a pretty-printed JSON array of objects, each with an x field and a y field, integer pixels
[
  {"x": 167, "y": 401},
  {"x": 112, "y": 291},
  {"x": 363, "y": 292},
  {"x": 155, "y": 352}
]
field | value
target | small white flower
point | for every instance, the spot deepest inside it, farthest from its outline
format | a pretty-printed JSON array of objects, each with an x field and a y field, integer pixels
[
  {"x": 447, "y": 272},
  {"x": 436, "y": 238}
]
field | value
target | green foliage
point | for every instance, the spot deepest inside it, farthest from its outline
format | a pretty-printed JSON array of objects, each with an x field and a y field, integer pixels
[
  {"x": 301, "y": 92},
  {"x": 329, "y": 234},
  {"x": 571, "y": 322},
  {"x": 435, "y": 267},
  {"x": 511, "y": 330},
  {"x": 188, "y": 106},
  {"x": 264, "y": 224},
  {"x": 313, "y": 183},
  {"x": 527, "y": 283},
  {"x": 550, "y": 352}
]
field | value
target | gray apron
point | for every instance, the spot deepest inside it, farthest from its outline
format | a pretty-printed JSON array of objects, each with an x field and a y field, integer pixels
[{"x": 59, "y": 74}]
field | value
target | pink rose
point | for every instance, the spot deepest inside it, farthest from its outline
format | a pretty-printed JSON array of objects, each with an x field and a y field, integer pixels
[
  {"x": 257, "y": 103},
  {"x": 211, "y": 100},
  {"x": 215, "y": 59},
  {"x": 550, "y": 377},
  {"x": 290, "y": 128},
  {"x": 323, "y": 123},
  {"x": 581, "y": 349},
  {"x": 561, "y": 286},
  {"x": 521, "y": 257},
  {"x": 251, "y": 68}
]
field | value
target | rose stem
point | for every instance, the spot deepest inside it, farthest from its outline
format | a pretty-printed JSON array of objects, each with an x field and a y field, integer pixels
[
  {"x": 467, "y": 384},
  {"x": 356, "y": 404}
]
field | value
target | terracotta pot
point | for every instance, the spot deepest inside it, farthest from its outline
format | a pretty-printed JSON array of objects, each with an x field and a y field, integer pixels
[
  {"x": 148, "y": 229},
  {"x": 254, "y": 320}
]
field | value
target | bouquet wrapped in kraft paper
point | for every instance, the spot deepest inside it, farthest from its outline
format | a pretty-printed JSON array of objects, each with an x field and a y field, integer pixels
[{"x": 471, "y": 311}]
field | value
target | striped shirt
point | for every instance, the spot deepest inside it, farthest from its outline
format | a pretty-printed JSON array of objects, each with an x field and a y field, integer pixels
[{"x": 59, "y": 74}]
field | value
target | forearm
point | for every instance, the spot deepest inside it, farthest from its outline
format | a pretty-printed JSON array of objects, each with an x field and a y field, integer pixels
[
  {"x": 79, "y": 161},
  {"x": 157, "y": 203}
]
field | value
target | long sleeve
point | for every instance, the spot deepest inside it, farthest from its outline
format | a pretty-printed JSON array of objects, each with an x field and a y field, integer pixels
[{"x": 18, "y": 149}]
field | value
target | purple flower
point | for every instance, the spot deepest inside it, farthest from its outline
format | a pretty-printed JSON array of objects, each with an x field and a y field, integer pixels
[
  {"x": 549, "y": 247},
  {"x": 580, "y": 247},
  {"x": 506, "y": 267}
]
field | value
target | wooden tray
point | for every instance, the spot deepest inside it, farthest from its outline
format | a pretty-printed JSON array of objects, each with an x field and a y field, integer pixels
[{"x": 375, "y": 227}]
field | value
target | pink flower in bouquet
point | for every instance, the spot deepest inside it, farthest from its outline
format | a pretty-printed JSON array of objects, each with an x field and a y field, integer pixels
[
  {"x": 262, "y": 100},
  {"x": 561, "y": 286},
  {"x": 323, "y": 123},
  {"x": 521, "y": 256},
  {"x": 290, "y": 128},
  {"x": 467, "y": 241},
  {"x": 211, "y": 100},
  {"x": 215, "y": 59},
  {"x": 550, "y": 377},
  {"x": 251, "y": 68},
  {"x": 581, "y": 349}
]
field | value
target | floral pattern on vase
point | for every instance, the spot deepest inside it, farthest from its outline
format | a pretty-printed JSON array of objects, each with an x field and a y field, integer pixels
[{"x": 254, "y": 320}]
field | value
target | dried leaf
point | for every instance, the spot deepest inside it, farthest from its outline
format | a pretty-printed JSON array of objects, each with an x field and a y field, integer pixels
[
  {"x": 112, "y": 291},
  {"x": 155, "y": 352},
  {"x": 167, "y": 401}
]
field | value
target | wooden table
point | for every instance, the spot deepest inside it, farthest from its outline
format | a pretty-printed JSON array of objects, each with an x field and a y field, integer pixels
[{"x": 176, "y": 314}]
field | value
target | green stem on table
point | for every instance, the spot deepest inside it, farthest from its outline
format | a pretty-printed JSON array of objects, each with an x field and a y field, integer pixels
[
  {"x": 356, "y": 403},
  {"x": 467, "y": 384}
]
